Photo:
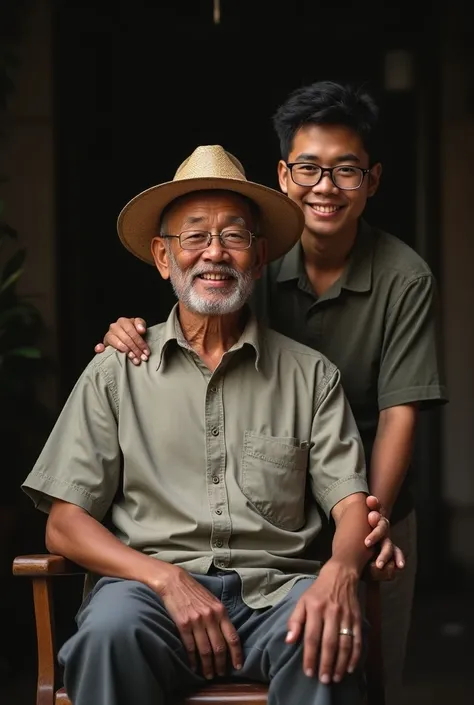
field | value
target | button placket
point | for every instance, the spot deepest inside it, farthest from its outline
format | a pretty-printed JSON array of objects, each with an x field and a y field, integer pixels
[{"x": 216, "y": 460}]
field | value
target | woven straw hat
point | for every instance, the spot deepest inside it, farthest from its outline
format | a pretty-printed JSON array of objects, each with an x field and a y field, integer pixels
[{"x": 210, "y": 167}]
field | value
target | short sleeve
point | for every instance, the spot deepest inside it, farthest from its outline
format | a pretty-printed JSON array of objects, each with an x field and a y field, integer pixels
[
  {"x": 81, "y": 460},
  {"x": 337, "y": 462},
  {"x": 411, "y": 367}
]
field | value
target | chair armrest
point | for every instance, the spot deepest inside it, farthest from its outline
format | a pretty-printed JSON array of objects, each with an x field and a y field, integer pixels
[
  {"x": 42, "y": 569},
  {"x": 44, "y": 565}
]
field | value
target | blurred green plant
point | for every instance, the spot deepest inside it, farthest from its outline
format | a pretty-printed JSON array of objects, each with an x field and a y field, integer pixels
[{"x": 21, "y": 325}]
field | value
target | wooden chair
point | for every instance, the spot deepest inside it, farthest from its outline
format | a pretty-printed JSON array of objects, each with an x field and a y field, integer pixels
[{"x": 43, "y": 568}]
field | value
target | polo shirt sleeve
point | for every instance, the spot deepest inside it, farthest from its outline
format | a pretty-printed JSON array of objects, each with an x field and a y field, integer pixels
[
  {"x": 411, "y": 367},
  {"x": 81, "y": 460},
  {"x": 337, "y": 461}
]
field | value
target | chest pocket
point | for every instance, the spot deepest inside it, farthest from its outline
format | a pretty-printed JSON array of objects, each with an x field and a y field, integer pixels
[{"x": 273, "y": 478}]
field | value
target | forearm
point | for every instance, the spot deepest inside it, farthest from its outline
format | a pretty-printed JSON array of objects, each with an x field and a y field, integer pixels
[
  {"x": 75, "y": 534},
  {"x": 392, "y": 453},
  {"x": 352, "y": 527}
]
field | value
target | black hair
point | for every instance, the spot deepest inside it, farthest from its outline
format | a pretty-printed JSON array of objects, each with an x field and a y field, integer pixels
[{"x": 328, "y": 103}]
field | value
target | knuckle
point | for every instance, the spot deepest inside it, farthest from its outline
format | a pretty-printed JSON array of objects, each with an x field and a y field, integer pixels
[
  {"x": 311, "y": 639},
  {"x": 345, "y": 646},
  {"x": 326, "y": 665},
  {"x": 219, "y": 610},
  {"x": 331, "y": 643}
]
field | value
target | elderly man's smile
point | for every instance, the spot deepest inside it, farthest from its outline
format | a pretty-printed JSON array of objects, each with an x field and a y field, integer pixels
[{"x": 215, "y": 280}]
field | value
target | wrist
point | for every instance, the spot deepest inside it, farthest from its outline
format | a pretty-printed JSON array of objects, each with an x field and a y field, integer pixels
[
  {"x": 158, "y": 575},
  {"x": 348, "y": 569}
]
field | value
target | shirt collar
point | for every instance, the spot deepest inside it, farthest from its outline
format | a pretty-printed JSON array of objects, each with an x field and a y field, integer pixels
[
  {"x": 173, "y": 336},
  {"x": 357, "y": 275}
]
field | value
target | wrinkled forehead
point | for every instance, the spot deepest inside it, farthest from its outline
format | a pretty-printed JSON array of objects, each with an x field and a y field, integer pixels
[{"x": 213, "y": 205}]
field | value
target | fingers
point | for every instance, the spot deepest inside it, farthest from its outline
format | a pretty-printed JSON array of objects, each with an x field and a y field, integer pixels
[
  {"x": 329, "y": 647},
  {"x": 356, "y": 648},
  {"x": 295, "y": 623},
  {"x": 205, "y": 648},
  {"x": 187, "y": 637},
  {"x": 348, "y": 652},
  {"x": 340, "y": 653},
  {"x": 140, "y": 325},
  {"x": 312, "y": 642},
  {"x": 233, "y": 642},
  {"x": 212, "y": 640},
  {"x": 123, "y": 336},
  {"x": 373, "y": 503},
  {"x": 99, "y": 348},
  {"x": 381, "y": 530},
  {"x": 398, "y": 556},
  {"x": 385, "y": 554},
  {"x": 374, "y": 518},
  {"x": 207, "y": 639}
]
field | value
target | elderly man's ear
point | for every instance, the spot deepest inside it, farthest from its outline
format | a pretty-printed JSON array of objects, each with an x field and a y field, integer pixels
[{"x": 160, "y": 255}]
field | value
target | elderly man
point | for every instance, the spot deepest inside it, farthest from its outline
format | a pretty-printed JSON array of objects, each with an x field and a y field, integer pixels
[{"x": 191, "y": 487}]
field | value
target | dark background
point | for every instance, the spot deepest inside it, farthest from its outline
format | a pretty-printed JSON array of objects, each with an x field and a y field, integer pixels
[{"x": 137, "y": 86}]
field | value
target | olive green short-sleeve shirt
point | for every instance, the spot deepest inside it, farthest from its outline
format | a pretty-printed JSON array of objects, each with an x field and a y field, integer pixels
[
  {"x": 198, "y": 468},
  {"x": 378, "y": 324}
]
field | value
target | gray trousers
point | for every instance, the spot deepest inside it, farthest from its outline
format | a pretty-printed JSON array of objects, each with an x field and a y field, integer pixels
[
  {"x": 127, "y": 649},
  {"x": 397, "y": 599}
]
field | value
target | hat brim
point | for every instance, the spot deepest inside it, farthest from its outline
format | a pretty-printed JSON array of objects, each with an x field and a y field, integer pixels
[{"x": 281, "y": 220}]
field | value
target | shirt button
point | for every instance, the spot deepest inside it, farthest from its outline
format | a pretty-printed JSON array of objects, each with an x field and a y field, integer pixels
[
  {"x": 215, "y": 431},
  {"x": 213, "y": 390},
  {"x": 219, "y": 511},
  {"x": 218, "y": 543},
  {"x": 215, "y": 479},
  {"x": 220, "y": 564}
]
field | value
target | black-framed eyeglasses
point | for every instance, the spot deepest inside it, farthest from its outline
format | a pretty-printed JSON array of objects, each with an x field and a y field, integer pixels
[
  {"x": 229, "y": 238},
  {"x": 343, "y": 176}
]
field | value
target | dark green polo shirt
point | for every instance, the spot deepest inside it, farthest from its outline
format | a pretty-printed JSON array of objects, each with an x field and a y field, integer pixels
[{"x": 378, "y": 324}]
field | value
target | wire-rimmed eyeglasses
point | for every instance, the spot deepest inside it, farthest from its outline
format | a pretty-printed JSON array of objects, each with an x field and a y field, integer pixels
[{"x": 229, "y": 238}]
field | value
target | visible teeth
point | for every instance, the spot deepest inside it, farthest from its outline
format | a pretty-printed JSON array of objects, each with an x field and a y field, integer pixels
[
  {"x": 215, "y": 277},
  {"x": 326, "y": 209}
]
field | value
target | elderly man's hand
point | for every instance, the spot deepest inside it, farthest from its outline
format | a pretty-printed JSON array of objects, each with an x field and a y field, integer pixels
[
  {"x": 381, "y": 535},
  {"x": 205, "y": 628},
  {"x": 330, "y": 605}
]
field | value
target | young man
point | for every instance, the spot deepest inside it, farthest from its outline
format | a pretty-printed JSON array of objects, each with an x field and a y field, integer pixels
[
  {"x": 360, "y": 296},
  {"x": 214, "y": 499}
]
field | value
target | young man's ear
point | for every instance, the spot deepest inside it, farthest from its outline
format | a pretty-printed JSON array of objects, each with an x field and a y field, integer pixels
[
  {"x": 374, "y": 179},
  {"x": 283, "y": 175}
]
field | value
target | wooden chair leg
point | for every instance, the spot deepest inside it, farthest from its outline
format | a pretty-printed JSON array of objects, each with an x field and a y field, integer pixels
[{"x": 42, "y": 595}]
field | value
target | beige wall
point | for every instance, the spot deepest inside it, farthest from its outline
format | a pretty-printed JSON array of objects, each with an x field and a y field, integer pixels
[
  {"x": 27, "y": 162},
  {"x": 458, "y": 283}
]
